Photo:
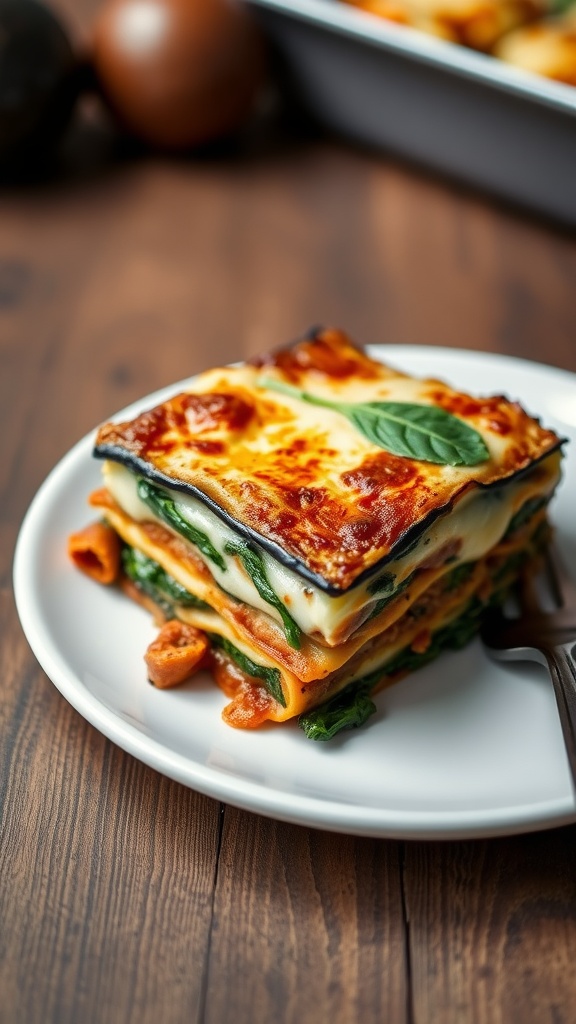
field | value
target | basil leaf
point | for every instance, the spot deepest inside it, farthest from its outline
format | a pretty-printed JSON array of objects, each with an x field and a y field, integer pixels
[
  {"x": 408, "y": 429},
  {"x": 422, "y": 432},
  {"x": 254, "y": 565},
  {"x": 269, "y": 676},
  {"x": 163, "y": 506}
]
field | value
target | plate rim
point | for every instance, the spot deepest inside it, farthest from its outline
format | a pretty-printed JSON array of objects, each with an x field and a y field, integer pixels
[{"x": 228, "y": 787}]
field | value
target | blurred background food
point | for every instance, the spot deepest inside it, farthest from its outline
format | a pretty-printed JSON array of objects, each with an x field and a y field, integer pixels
[
  {"x": 178, "y": 74},
  {"x": 546, "y": 47},
  {"x": 536, "y": 35},
  {"x": 475, "y": 23}
]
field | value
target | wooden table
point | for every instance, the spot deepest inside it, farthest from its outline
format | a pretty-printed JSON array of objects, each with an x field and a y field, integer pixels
[{"x": 126, "y": 897}]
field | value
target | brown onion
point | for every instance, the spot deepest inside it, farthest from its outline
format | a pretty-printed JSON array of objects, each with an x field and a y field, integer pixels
[{"x": 177, "y": 73}]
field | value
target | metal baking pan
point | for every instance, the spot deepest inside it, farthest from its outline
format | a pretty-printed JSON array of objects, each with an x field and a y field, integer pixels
[{"x": 457, "y": 111}]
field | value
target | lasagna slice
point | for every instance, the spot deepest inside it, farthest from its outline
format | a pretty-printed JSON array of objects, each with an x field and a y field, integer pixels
[{"x": 311, "y": 525}]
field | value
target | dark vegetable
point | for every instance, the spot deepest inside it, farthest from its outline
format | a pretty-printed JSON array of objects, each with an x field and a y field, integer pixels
[
  {"x": 254, "y": 565},
  {"x": 347, "y": 710},
  {"x": 163, "y": 506},
  {"x": 158, "y": 584},
  {"x": 458, "y": 575},
  {"x": 383, "y": 601},
  {"x": 382, "y": 584},
  {"x": 525, "y": 513},
  {"x": 269, "y": 676},
  {"x": 38, "y": 83}
]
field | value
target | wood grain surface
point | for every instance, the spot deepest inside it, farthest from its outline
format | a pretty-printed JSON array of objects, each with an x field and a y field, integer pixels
[{"x": 125, "y": 897}]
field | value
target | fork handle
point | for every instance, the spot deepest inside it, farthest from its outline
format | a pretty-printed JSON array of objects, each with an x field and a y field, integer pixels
[{"x": 562, "y": 664}]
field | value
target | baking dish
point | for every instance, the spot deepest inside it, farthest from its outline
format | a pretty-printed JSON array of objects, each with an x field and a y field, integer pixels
[{"x": 454, "y": 110}]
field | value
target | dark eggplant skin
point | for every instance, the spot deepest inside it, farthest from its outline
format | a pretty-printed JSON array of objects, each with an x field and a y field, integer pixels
[
  {"x": 142, "y": 468},
  {"x": 38, "y": 83}
]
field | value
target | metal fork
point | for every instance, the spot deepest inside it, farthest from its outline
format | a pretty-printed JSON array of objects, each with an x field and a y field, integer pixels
[{"x": 546, "y": 637}]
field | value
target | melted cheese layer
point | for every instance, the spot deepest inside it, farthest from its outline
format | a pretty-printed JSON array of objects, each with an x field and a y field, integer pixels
[{"x": 474, "y": 526}]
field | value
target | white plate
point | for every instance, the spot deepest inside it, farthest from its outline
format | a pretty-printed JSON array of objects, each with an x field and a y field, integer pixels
[{"x": 462, "y": 748}]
